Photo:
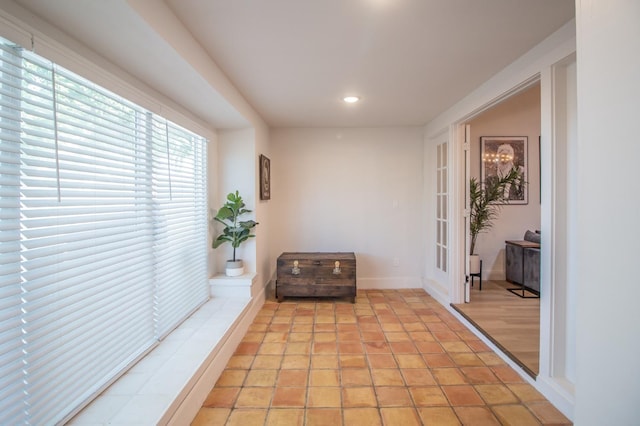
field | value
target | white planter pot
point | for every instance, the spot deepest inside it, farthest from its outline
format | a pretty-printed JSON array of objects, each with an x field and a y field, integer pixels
[
  {"x": 474, "y": 264},
  {"x": 234, "y": 268}
]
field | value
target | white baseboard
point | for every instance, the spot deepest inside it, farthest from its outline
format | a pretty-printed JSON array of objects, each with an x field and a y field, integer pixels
[
  {"x": 559, "y": 392},
  {"x": 394, "y": 283},
  {"x": 495, "y": 274},
  {"x": 437, "y": 291}
]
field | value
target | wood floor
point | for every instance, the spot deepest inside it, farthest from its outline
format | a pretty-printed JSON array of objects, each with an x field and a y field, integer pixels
[{"x": 509, "y": 321}]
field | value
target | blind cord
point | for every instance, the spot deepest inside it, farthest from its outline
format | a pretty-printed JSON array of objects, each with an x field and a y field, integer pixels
[
  {"x": 166, "y": 129},
  {"x": 55, "y": 129}
]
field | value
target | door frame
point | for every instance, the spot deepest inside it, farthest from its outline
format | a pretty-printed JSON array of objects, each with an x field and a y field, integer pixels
[{"x": 557, "y": 353}]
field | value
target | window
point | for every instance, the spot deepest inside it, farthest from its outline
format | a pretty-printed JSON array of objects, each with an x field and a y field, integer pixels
[
  {"x": 103, "y": 236},
  {"x": 442, "y": 199}
]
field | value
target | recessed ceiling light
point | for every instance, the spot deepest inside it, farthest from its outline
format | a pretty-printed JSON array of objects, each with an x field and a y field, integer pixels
[{"x": 351, "y": 99}]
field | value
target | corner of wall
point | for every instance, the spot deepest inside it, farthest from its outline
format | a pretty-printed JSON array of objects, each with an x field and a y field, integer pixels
[{"x": 437, "y": 291}]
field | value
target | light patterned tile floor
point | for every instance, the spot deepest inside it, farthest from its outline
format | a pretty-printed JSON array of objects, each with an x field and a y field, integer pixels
[{"x": 395, "y": 357}]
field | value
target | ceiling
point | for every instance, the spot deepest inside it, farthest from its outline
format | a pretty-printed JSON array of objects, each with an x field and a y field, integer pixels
[{"x": 294, "y": 60}]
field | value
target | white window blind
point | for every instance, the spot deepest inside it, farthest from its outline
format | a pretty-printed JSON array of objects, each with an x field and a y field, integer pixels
[
  {"x": 179, "y": 172},
  {"x": 10, "y": 292},
  {"x": 104, "y": 217}
]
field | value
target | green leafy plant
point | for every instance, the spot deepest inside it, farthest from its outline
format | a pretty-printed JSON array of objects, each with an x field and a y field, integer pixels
[
  {"x": 486, "y": 201},
  {"x": 235, "y": 231}
]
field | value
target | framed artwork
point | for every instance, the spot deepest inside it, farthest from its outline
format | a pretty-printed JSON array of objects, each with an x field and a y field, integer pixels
[
  {"x": 265, "y": 178},
  {"x": 498, "y": 155}
]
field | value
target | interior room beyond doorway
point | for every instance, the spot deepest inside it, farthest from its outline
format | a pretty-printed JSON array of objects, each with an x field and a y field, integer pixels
[{"x": 517, "y": 118}]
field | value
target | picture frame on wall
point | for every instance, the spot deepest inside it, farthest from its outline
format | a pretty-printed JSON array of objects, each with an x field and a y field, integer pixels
[
  {"x": 265, "y": 178},
  {"x": 498, "y": 155}
]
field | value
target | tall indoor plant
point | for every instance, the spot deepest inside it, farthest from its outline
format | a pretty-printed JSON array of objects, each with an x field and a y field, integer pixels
[
  {"x": 485, "y": 203},
  {"x": 235, "y": 231}
]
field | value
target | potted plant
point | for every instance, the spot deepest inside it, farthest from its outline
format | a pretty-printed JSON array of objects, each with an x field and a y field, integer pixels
[
  {"x": 485, "y": 204},
  {"x": 235, "y": 231}
]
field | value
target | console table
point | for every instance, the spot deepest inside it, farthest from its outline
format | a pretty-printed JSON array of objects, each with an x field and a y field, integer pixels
[{"x": 515, "y": 266}]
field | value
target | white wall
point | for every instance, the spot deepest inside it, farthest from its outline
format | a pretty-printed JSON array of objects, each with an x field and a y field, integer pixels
[
  {"x": 516, "y": 116},
  {"x": 608, "y": 332},
  {"x": 264, "y": 258},
  {"x": 212, "y": 203},
  {"x": 235, "y": 171},
  {"x": 354, "y": 190}
]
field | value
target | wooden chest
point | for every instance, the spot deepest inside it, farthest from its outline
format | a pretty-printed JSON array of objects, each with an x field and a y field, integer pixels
[{"x": 316, "y": 275}]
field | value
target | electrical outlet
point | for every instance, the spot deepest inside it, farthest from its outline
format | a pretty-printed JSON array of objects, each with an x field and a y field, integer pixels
[{"x": 396, "y": 261}]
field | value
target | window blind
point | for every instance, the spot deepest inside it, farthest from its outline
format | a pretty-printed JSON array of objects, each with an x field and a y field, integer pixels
[
  {"x": 10, "y": 291},
  {"x": 179, "y": 173},
  {"x": 105, "y": 230}
]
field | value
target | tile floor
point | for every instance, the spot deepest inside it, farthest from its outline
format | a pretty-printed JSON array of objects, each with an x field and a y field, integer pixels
[{"x": 395, "y": 357}]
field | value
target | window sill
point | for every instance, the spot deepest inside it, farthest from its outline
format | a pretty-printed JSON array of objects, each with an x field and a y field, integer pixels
[{"x": 163, "y": 384}]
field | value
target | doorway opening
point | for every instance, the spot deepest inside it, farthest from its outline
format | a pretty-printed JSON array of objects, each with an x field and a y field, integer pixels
[{"x": 511, "y": 322}]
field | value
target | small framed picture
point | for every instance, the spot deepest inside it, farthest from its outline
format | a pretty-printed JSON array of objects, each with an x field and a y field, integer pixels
[
  {"x": 498, "y": 155},
  {"x": 265, "y": 178}
]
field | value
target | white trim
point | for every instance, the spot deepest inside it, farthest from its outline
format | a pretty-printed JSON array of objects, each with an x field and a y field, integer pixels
[
  {"x": 240, "y": 286},
  {"x": 554, "y": 253},
  {"x": 434, "y": 281},
  {"x": 437, "y": 291},
  {"x": 457, "y": 205},
  {"x": 559, "y": 392},
  {"x": 547, "y": 220}
]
